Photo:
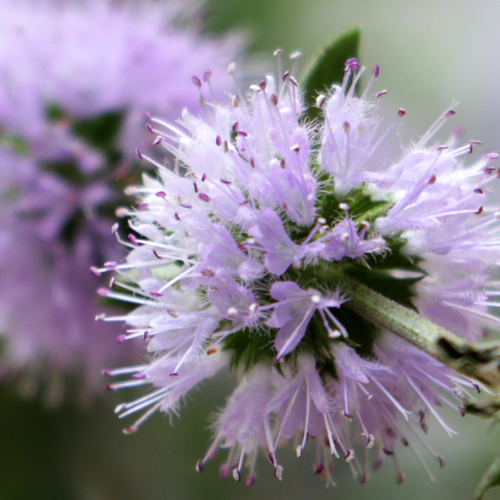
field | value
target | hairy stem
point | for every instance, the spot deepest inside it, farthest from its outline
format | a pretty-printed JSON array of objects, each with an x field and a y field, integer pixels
[{"x": 478, "y": 360}]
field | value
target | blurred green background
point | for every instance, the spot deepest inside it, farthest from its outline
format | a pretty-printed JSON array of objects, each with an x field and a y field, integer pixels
[{"x": 431, "y": 53}]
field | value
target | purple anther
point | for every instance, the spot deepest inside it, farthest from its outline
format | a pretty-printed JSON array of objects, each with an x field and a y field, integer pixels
[
  {"x": 479, "y": 211},
  {"x": 196, "y": 81},
  {"x": 376, "y": 70},
  {"x": 142, "y": 207},
  {"x": 432, "y": 180},
  {"x": 401, "y": 112},
  {"x": 363, "y": 477},
  {"x": 381, "y": 93},
  {"x": 442, "y": 148},
  {"x": 294, "y": 81},
  {"x": 129, "y": 430},
  {"x": 400, "y": 478},
  {"x": 121, "y": 338},
  {"x": 319, "y": 469},
  {"x": 277, "y": 52},
  {"x": 274, "y": 99},
  {"x": 226, "y": 147},
  {"x": 176, "y": 215},
  {"x": 218, "y": 140},
  {"x": 320, "y": 100},
  {"x": 161, "y": 194},
  {"x": 148, "y": 115},
  {"x": 110, "y": 264},
  {"x": 109, "y": 387},
  {"x": 133, "y": 239},
  {"x": 224, "y": 471},
  {"x": 347, "y": 127},
  {"x": 207, "y": 75},
  {"x": 478, "y": 191},
  {"x": 262, "y": 85},
  {"x": 203, "y": 177},
  {"x": 185, "y": 205},
  {"x": 157, "y": 140},
  {"x": 224, "y": 181},
  {"x": 103, "y": 292},
  {"x": 174, "y": 374},
  {"x": 199, "y": 466},
  {"x": 139, "y": 376},
  {"x": 388, "y": 452},
  {"x": 195, "y": 187},
  {"x": 107, "y": 373},
  {"x": 112, "y": 282},
  {"x": 204, "y": 197},
  {"x": 450, "y": 113},
  {"x": 150, "y": 128},
  {"x": 244, "y": 134},
  {"x": 139, "y": 154},
  {"x": 378, "y": 464},
  {"x": 172, "y": 313},
  {"x": 351, "y": 65},
  {"x": 270, "y": 456},
  {"x": 286, "y": 75},
  {"x": 235, "y": 126},
  {"x": 156, "y": 294},
  {"x": 250, "y": 481},
  {"x": 95, "y": 271}
]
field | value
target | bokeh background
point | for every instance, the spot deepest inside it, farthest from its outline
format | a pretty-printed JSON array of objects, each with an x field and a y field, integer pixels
[{"x": 431, "y": 53}]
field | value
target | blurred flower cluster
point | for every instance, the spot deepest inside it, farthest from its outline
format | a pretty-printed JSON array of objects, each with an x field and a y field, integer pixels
[
  {"x": 75, "y": 82},
  {"x": 260, "y": 250}
]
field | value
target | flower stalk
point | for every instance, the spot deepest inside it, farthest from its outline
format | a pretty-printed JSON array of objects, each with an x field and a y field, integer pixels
[{"x": 476, "y": 360}]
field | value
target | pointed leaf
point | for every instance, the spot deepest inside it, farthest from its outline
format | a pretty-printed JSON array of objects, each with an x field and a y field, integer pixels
[
  {"x": 328, "y": 67},
  {"x": 490, "y": 479}
]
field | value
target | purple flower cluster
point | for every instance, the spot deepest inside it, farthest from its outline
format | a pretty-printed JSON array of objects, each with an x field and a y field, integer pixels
[
  {"x": 75, "y": 82},
  {"x": 240, "y": 251}
]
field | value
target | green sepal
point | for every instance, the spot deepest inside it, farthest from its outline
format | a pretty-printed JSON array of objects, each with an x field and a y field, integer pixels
[
  {"x": 328, "y": 67},
  {"x": 100, "y": 132},
  {"x": 248, "y": 347},
  {"x": 490, "y": 479}
]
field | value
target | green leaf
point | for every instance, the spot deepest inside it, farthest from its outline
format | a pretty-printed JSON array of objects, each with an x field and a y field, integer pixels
[
  {"x": 490, "y": 479},
  {"x": 328, "y": 67},
  {"x": 100, "y": 132}
]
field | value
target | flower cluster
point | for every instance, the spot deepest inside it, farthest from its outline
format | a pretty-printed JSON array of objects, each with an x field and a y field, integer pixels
[
  {"x": 75, "y": 83},
  {"x": 242, "y": 253}
]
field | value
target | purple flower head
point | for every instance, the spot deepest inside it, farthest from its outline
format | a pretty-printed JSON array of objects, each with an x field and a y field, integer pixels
[
  {"x": 301, "y": 263},
  {"x": 75, "y": 84}
]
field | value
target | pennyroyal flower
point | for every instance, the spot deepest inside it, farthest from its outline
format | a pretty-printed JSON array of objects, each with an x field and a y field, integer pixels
[{"x": 260, "y": 248}]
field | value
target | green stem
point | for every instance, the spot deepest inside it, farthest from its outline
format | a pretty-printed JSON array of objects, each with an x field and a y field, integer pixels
[{"x": 480, "y": 361}]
